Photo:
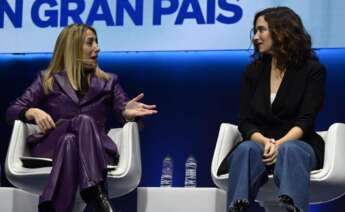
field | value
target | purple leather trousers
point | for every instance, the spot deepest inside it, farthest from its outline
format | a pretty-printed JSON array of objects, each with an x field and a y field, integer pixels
[{"x": 79, "y": 160}]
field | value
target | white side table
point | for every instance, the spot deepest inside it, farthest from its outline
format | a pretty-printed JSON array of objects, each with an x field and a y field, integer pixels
[
  {"x": 15, "y": 200},
  {"x": 156, "y": 199}
]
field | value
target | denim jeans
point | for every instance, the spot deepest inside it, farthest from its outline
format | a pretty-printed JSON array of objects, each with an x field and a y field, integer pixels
[{"x": 247, "y": 172}]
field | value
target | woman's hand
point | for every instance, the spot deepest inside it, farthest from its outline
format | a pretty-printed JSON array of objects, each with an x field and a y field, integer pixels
[
  {"x": 134, "y": 108},
  {"x": 41, "y": 118},
  {"x": 270, "y": 152}
]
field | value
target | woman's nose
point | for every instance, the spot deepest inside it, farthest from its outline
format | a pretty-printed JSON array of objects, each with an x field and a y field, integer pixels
[
  {"x": 256, "y": 36},
  {"x": 96, "y": 47}
]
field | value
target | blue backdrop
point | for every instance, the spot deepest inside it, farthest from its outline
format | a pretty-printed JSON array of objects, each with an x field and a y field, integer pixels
[{"x": 194, "y": 91}]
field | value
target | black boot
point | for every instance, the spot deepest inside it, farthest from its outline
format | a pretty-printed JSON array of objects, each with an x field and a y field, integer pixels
[
  {"x": 46, "y": 207},
  {"x": 96, "y": 196},
  {"x": 240, "y": 206},
  {"x": 288, "y": 203}
]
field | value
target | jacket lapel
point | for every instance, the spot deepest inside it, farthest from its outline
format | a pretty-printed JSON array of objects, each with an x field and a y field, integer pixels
[
  {"x": 62, "y": 81},
  {"x": 95, "y": 88},
  {"x": 279, "y": 102},
  {"x": 267, "y": 86}
]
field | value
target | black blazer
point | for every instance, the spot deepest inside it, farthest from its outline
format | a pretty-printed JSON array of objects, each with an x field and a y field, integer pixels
[{"x": 298, "y": 100}]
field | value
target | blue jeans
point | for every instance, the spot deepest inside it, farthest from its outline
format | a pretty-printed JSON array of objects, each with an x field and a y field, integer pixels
[{"x": 247, "y": 172}]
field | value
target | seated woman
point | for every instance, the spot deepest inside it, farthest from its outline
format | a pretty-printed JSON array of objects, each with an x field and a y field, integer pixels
[
  {"x": 282, "y": 92},
  {"x": 69, "y": 103}
]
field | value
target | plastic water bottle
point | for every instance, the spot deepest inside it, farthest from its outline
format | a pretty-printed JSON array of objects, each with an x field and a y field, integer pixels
[
  {"x": 190, "y": 173},
  {"x": 167, "y": 172}
]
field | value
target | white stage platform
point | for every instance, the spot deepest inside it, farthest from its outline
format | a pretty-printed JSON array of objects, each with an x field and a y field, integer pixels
[
  {"x": 16, "y": 200},
  {"x": 150, "y": 199},
  {"x": 156, "y": 199}
]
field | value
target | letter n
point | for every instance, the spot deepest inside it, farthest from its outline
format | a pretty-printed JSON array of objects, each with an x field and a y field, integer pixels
[{"x": 15, "y": 16}]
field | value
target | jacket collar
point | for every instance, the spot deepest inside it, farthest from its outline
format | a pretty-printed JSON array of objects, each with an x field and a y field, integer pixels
[
  {"x": 62, "y": 81},
  {"x": 95, "y": 87}
]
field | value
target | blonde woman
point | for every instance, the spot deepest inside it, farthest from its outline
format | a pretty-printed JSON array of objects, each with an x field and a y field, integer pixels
[{"x": 69, "y": 102}]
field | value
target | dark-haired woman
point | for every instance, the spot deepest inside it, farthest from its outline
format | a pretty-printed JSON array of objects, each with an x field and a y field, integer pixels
[{"x": 282, "y": 92}]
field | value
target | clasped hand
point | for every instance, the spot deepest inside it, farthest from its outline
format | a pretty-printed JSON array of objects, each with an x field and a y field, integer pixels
[{"x": 270, "y": 154}]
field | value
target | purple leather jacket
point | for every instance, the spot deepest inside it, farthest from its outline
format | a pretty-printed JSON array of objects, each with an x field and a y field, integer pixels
[{"x": 63, "y": 103}]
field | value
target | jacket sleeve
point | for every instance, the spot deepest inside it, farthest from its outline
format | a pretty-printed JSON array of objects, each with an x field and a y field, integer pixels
[
  {"x": 120, "y": 98},
  {"x": 313, "y": 98},
  {"x": 246, "y": 118},
  {"x": 32, "y": 97}
]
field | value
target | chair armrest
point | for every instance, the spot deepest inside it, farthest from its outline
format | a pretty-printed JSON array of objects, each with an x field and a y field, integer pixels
[
  {"x": 334, "y": 163},
  {"x": 16, "y": 147},
  {"x": 20, "y": 176},
  {"x": 17, "y": 144},
  {"x": 228, "y": 137},
  {"x": 127, "y": 141},
  {"x": 127, "y": 175}
]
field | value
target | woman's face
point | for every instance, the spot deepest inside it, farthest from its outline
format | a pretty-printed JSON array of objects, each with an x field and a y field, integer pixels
[
  {"x": 262, "y": 37},
  {"x": 90, "y": 49}
]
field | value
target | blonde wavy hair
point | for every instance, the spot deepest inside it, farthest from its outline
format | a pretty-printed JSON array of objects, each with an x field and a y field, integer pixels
[{"x": 68, "y": 51}]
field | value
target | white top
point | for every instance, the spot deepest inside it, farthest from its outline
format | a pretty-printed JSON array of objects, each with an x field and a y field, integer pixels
[{"x": 273, "y": 96}]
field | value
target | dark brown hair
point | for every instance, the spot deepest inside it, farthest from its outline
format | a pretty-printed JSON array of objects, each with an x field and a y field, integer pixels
[{"x": 291, "y": 42}]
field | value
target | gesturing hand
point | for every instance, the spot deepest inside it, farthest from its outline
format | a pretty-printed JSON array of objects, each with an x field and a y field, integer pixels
[
  {"x": 134, "y": 108},
  {"x": 42, "y": 119}
]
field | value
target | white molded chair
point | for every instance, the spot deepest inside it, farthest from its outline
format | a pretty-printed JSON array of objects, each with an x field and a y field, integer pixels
[
  {"x": 327, "y": 184},
  {"x": 121, "y": 181}
]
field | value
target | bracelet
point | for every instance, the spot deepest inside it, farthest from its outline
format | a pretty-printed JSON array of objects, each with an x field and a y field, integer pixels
[
  {"x": 130, "y": 119},
  {"x": 133, "y": 119},
  {"x": 272, "y": 140}
]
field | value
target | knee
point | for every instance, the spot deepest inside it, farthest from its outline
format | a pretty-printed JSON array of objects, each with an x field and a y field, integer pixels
[
  {"x": 67, "y": 147},
  {"x": 248, "y": 147},
  {"x": 290, "y": 148},
  {"x": 246, "y": 152},
  {"x": 68, "y": 139}
]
